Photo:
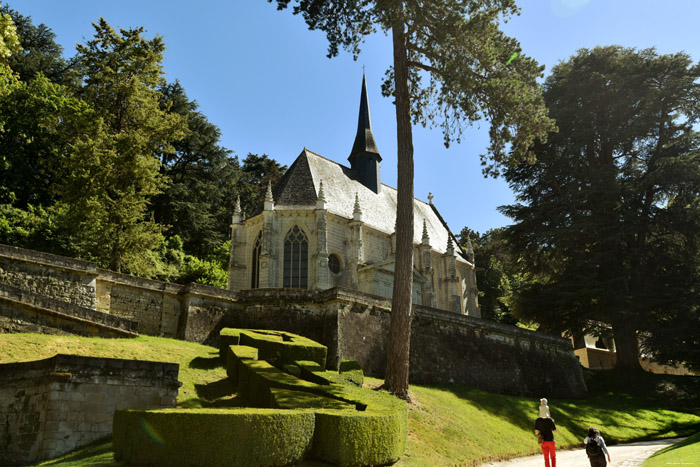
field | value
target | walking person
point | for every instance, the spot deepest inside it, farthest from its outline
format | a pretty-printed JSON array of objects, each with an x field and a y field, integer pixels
[
  {"x": 544, "y": 409},
  {"x": 546, "y": 428},
  {"x": 596, "y": 450}
]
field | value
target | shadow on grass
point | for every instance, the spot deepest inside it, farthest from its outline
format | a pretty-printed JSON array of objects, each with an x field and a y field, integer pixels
[
  {"x": 576, "y": 415},
  {"x": 216, "y": 389},
  {"x": 202, "y": 363}
]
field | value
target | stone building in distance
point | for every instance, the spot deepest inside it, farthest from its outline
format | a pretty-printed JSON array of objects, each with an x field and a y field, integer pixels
[{"x": 326, "y": 225}]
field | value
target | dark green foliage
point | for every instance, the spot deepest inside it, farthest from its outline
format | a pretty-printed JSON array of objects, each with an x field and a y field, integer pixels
[
  {"x": 42, "y": 121},
  {"x": 499, "y": 273},
  {"x": 40, "y": 53},
  {"x": 609, "y": 217},
  {"x": 212, "y": 437},
  {"x": 361, "y": 438},
  {"x": 34, "y": 227},
  {"x": 113, "y": 171},
  {"x": 257, "y": 172}
]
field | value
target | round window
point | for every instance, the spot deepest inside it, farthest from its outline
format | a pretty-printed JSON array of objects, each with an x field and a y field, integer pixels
[{"x": 334, "y": 263}]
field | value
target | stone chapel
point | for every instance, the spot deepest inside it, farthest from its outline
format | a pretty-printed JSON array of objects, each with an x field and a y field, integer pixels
[{"x": 326, "y": 225}]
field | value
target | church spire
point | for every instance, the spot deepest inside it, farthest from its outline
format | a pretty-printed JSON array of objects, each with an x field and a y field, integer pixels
[{"x": 364, "y": 157}]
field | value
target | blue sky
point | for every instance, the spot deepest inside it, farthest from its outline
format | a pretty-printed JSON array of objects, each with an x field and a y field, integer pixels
[{"x": 264, "y": 79}]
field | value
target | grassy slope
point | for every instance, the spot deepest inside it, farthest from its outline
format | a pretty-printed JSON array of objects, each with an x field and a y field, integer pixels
[
  {"x": 684, "y": 453},
  {"x": 453, "y": 424},
  {"x": 448, "y": 425}
]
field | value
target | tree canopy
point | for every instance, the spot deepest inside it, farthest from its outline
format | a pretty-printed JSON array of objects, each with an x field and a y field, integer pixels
[{"x": 609, "y": 215}]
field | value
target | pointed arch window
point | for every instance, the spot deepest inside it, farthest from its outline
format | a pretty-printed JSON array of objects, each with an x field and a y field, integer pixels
[
  {"x": 296, "y": 254},
  {"x": 255, "y": 267}
]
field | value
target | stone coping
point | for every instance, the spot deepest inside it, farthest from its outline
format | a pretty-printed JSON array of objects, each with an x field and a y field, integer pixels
[
  {"x": 82, "y": 369},
  {"x": 48, "y": 259}
]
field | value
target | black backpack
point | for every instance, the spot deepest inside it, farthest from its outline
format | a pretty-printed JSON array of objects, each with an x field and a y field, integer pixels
[{"x": 593, "y": 448}]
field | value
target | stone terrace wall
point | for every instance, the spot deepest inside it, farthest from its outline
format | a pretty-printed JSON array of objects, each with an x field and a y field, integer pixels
[
  {"x": 445, "y": 347},
  {"x": 49, "y": 407},
  {"x": 54, "y": 276}
]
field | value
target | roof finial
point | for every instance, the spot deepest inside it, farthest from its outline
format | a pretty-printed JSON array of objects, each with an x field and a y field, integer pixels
[
  {"x": 426, "y": 238},
  {"x": 470, "y": 250},
  {"x": 357, "y": 212},
  {"x": 430, "y": 197},
  {"x": 269, "y": 201},
  {"x": 237, "y": 217},
  {"x": 321, "y": 199},
  {"x": 450, "y": 245}
]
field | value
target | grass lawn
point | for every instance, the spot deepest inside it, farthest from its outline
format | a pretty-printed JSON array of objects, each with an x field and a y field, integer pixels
[
  {"x": 448, "y": 425},
  {"x": 684, "y": 453}
]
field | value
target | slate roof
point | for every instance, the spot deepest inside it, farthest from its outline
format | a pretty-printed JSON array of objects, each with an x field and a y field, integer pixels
[
  {"x": 299, "y": 186},
  {"x": 364, "y": 139}
]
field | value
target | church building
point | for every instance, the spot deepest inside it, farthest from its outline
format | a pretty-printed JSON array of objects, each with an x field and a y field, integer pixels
[{"x": 328, "y": 225}]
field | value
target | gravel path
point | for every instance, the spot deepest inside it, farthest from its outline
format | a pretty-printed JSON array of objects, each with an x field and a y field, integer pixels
[{"x": 622, "y": 455}]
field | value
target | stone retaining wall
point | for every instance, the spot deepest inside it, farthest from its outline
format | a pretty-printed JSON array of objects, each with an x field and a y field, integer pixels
[
  {"x": 22, "y": 311},
  {"x": 49, "y": 407},
  {"x": 445, "y": 347}
]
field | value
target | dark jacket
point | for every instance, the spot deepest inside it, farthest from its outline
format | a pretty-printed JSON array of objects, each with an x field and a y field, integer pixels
[{"x": 546, "y": 427}]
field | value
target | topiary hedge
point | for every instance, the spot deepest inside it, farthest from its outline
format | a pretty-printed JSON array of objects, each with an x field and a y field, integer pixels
[
  {"x": 283, "y": 347},
  {"x": 212, "y": 437},
  {"x": 234, "y": 355},
  {"x": 227, "y": 337},
  {"x": 349, "y": 425}
]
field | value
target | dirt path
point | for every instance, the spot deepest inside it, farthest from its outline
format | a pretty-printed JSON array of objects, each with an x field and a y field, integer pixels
[{"x": 623, "y": 455}]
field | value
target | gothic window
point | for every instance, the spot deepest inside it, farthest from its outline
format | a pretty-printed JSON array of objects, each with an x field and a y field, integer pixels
[
  {"x": 255, "y": 269},
  {"x": 296, "y": 255}
]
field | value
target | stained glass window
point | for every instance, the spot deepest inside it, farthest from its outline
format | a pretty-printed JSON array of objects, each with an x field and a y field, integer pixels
[
  {"x": 296, "y": 253},
  {"x": 255, "y": 269}
]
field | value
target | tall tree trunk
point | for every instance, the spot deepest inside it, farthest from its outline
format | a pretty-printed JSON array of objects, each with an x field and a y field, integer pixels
[
  {"x": 626, "y": 345},
  {"x": 396, "y": 378}
]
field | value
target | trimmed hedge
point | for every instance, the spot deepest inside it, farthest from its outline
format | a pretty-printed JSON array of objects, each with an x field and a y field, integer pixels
[
  {"x": 212, "y": 437},
  {"x": 227, "y": 337},
  {"x": 283, "y": 347},
  {"x": 304, "y": 410},
  {"x": 352, "y": 372},
  {"x": 234, "y": 355}
]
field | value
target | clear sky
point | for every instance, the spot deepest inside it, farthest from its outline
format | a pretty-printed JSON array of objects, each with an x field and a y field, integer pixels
[{"x": 264, "y": 79}]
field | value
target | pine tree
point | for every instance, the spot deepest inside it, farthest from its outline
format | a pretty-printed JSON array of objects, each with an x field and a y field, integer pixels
[
  {"x": 114, "y": 167},
  {"x": 457, "y": 45}
]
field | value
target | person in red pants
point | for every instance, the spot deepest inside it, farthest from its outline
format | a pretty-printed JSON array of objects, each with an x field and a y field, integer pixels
[{"x": 546, "y": 428}]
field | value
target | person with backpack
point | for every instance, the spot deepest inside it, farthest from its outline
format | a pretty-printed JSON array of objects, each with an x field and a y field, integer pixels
[
  {"x": 596, "y": 450},
  {"x": 545, "y": 428}
]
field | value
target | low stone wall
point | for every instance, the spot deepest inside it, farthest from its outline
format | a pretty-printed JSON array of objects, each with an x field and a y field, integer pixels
[
  {"x": 54, "y": 276},
  {"x": 49, "y": 407}
]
